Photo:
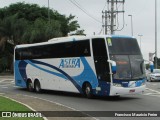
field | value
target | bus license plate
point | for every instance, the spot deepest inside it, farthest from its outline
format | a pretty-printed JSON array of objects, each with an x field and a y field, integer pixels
[{"x": 132, "y": 91}]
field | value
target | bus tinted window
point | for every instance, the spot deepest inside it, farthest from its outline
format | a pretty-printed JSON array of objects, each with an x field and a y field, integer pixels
[
  {"x": 123, "y": 46},
  {"x": 59, "y": 50},
  {"x": 100, "y": 50}
]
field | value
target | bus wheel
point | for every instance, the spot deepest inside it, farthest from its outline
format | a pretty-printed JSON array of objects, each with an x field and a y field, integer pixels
[
  {"x": 29, "y": 86},
  {"x": 37, "y": 86},
  {"x": 88, "y": 91}
]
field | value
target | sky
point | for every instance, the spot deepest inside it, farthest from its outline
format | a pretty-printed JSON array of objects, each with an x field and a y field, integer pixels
[{"x": 142, "y": 11}]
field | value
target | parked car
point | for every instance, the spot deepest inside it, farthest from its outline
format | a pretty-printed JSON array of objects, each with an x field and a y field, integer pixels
[{"x": 154, "y": 76}]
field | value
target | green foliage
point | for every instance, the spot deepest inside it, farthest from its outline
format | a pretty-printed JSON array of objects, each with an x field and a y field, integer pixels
[
  {"x": 28, "y": 23},
  {"x": 22, "y": 21},
  {"x": 9, "y": 105}
]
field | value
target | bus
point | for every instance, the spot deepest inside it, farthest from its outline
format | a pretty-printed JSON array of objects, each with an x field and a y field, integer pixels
[{"x": 104, "y": 65}]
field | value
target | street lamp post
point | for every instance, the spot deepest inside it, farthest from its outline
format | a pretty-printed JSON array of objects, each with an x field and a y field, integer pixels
[
  {"x": 140, "y": 40},
  {"x": 131, "y": 24},
  {"x": 48, "y": 12},
  {"x": 156, "y": 33}
]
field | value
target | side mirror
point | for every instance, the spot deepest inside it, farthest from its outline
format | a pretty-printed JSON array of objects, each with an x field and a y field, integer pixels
[
  {"x": 151, "y": 66},
  {"x": 113, "y": 66}
]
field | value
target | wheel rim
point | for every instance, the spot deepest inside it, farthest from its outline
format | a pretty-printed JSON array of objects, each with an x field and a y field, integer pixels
[
  {"x": 30, "y": 86},
  {"x": 88, "y": 90},
  {"x": 37, "y": 87}
]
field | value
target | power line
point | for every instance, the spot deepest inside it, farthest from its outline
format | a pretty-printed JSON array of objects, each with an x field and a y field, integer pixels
[
  {"x": 111, "y": 16},
  {"x": 77, "y": 5},
  {"x": 105, "y": 5}
]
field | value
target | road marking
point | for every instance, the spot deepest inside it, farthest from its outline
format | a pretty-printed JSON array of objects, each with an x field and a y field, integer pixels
[
  {"x": 151, "y": 94},
  {"x": 153, "y": 90},
  {"x": 16, "y": 86},
  {"x": 6, "y": 82},
  {"x": 154, "y": 84},
  {"x": 12, "y": 81},
  {"x": 147, "y": 93},
  {"x": 24, "y": 105},
  {"x": 4, "y": 87},
  {"x": 60, "y": 105},
  {"x": 2, "y": 81}
]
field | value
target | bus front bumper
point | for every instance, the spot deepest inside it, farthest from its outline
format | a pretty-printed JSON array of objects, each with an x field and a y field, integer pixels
[{"x": 115, "y": 91}]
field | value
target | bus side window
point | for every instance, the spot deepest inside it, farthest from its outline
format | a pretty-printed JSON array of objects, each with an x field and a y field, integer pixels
[
  {"x": 82, "y": 48},
  {"x": 17, "y": 54}
]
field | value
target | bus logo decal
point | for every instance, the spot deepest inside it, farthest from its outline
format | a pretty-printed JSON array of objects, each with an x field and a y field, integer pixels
[{"x": 70, "y": 63}]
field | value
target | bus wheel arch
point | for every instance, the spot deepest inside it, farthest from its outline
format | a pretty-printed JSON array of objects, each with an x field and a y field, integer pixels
[
  {"x": 29, "y": 85},
  {"x": 37, "y": 86},
  {"x": 87, "y": 90}
]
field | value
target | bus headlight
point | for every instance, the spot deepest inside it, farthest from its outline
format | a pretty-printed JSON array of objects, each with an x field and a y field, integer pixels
[{"x": 117, "y": 85}]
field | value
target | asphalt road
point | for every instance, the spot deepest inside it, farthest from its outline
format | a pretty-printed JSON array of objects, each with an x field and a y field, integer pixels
[{"x": 149, "y": 101}]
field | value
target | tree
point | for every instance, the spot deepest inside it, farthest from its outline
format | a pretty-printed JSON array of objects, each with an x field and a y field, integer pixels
[{"x": 28, "y": 23}]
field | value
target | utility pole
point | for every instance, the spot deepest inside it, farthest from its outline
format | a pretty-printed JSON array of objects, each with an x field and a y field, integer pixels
[
  {"x": 110, "y": 15},
  {"x": 140, "y": 36},
  {"x": 104, "y": 16},
  {"x": 131, "y": 24}
]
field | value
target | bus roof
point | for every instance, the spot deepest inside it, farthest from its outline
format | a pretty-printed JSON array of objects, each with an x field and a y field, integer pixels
[{"x": 70, "y": 38}]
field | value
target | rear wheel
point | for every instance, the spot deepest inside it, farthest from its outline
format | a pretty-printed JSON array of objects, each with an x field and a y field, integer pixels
[
  {"x": 29, "y": 86},
  {"x": 37, "y": 86},
  {"x": 88, "y": 91}
]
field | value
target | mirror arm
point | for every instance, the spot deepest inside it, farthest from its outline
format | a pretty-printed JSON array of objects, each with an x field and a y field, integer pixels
[{"x": 113, "y": 65}]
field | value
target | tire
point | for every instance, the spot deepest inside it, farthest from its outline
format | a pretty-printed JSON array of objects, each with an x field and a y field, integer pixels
[
  {"x": 88, "y": 91},
  {"x": 37, "y": 86},
  {"x": 29, "y": 86}
]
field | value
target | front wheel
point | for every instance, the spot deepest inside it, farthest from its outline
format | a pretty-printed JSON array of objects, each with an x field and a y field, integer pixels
[{"x": 88, "y": 91}]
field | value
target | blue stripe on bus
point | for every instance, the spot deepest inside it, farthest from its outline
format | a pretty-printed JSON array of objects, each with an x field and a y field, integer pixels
[
  {"x": 19, "y": 76},
  {"x": 86, "y": 75},
  {"x": 48, "y": 71},
  {"x": 53, "y": 67},
  {"x": 120, "y": 36}
]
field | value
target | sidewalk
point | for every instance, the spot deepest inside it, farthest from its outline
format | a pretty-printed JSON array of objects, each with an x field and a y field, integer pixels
[{"x": 43, "y": 105}]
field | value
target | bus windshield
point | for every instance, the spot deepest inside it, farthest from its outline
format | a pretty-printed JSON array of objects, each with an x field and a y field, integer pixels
[
  {"x": 126, "y": 53},
  {"x": 123, "y": 46}
]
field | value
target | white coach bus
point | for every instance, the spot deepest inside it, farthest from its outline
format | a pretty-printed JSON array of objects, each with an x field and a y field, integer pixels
[{"x": 98, "y": 65}]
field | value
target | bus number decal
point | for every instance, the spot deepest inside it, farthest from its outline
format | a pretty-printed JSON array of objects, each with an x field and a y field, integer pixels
[{"x": 70, "y": 63}]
